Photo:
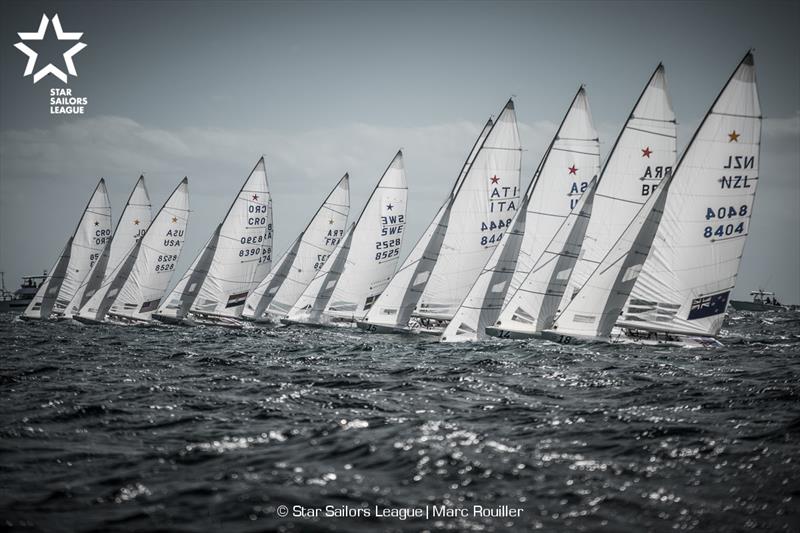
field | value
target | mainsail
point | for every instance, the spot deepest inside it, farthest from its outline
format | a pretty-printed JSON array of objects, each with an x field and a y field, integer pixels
[
  {"x": 574, "y": 154},
  {"x": 643, "y": 154},
  {"x": 364, "y": 262},
  {"x": 482, "y": 209},
  {"x": 685, "y": 283},
  {"x": 393, "y": 308},
  {"x": 241, "y": 255},
  {"x": 82, "y": 250},
  {"x": 532, "y": 307},
  {"x": 131, "y": 226},
  {"x": 134, "y": 291},
  {"x": 279, "y": 291}
]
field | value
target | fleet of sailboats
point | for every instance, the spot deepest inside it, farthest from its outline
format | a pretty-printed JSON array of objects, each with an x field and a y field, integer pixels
[
  {"x": 646, "y": 250},
  {"x": 133, "y": 291}
]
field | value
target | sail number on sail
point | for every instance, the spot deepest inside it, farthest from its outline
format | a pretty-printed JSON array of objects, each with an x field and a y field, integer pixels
[
  {"x": 255, "y": 244},
  {"x": 502, "y": 199},
  {"x": 390, "y": 225},
  {"x": 730, "y": 211}
]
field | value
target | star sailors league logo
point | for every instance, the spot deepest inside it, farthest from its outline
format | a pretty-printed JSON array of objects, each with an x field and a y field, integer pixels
[
  {"x": 62, "y": 101},
  {"x": 38, "y": 35}
]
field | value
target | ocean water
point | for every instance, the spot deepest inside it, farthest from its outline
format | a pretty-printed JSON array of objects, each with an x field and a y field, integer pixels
[{"x": 196, "y": 429}]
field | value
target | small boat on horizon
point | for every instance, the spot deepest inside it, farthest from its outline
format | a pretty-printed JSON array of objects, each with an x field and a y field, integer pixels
[
  {"x": 762, "y": 301},
  {"x": 20, "y": 298}
]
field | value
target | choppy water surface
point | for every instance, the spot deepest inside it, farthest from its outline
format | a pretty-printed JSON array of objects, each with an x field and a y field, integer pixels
[{"x": 206, "y": 428}]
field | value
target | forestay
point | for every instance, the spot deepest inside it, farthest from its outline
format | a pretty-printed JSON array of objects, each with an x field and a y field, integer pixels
[{"x": 685, "y": 284}]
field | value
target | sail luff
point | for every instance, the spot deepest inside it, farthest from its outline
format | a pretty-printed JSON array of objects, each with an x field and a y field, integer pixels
[
  {"x": 309, "y": 306},
  {"x": 42, "y": 304},
  {"x": 598, "y": 302},
  {"x": 177, "y": 304}
]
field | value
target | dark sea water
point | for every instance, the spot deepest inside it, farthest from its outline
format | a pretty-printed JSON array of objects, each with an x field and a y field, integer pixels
[{"x": 198, "y": 429}]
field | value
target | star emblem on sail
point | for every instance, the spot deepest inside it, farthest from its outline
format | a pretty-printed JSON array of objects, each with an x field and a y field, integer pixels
[{"x": 61, "y": 35}]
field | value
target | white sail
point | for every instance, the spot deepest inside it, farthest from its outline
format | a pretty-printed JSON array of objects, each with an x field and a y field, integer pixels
[
  {"x": 42, "y": 304},
  {"x": 597, "y": 304},
  {"x": 685, "y": 283},
  {"x": 548, "y": 201},
  {"x": 643, "y": 154},
  {"x": 243, "y": 254},
  {"x": 375, "y": 246},
  {"x": 532, "y": 307},
  {"x": 394, "y": 306},
  {"x": 315, "y": 297},
  {"x": 131, "y": 226},
  {"x": 361, "y": 265},
  {"x": 135, "y": 289},
  {"x": 177, "y": 304},
  {"x": 83, "y": 250},
  {"x": 482, "y": 209},
  {"x": 279, "y": 291}
]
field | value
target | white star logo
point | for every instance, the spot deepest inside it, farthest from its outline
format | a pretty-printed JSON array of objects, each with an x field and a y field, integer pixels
[{"x": 38, "y": 35}]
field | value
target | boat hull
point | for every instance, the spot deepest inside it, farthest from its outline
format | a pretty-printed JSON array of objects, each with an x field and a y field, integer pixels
[
  {"x": 510, "y": 334},
  {"x": 385, "y": 328},
  {"x": 743, "y": 305}
]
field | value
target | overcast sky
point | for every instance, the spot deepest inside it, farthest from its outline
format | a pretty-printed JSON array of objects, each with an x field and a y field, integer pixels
[{"x": 204, "y": 89}]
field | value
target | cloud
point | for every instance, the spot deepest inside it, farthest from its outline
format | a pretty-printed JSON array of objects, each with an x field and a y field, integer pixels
[{"x": 48, "y": 173}]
